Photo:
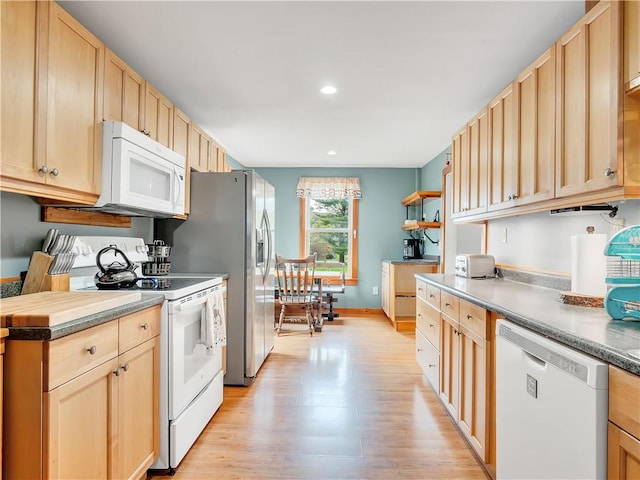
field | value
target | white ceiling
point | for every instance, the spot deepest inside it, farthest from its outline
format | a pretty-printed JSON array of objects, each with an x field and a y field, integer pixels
[{"x": 409, "y": 74}]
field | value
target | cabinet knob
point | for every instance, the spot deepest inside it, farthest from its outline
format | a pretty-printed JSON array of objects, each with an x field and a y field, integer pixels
[
  {"x": 125, "y": 367},
  {"x": 420, "y": 315},
  {"x": 469, "y": 316},
  {"x": 431, "y": 325},
  {"x": 455, "y": 331},
  {"x": 514, "y": 196},
  {"x": 43, "y": 169},
  {"x": 419, "y": 349},
  {"x": 447, "y": 304},
  {"x": 432, "y": 296},
  {"x": 431, "y": 365},
  {"x": 55, "y": 172},
  {"x": 92, "y": 350},
  {"x": 608, "y": 172},
  {"x": 145, "y": 326},
  {"x": 117, "y": 372}
]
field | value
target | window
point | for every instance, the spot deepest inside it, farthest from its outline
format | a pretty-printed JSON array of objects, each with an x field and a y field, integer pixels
[{"x": 329, "y": 226}]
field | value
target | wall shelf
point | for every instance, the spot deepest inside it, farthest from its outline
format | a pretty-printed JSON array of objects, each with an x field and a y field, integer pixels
[{"x": 417, "y": 199}]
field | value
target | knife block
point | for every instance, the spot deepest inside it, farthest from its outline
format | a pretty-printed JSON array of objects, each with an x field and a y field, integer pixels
[{"x": 38, "y": 280}]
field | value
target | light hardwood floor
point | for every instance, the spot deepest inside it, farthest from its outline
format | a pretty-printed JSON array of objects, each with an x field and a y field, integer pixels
[{"x": 348, "y": 403}]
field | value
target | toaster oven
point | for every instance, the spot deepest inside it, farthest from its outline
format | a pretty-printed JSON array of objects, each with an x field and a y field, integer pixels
[{"x": 475, "y": 266}]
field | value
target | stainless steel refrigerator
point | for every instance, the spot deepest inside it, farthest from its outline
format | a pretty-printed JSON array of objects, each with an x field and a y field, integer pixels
[{"x": 230, "y": 229}]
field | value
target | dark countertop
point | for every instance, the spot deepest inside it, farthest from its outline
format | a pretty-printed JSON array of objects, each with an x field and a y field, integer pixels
[
  {"x": 428, "y": 260},
  {"x": 590, "y": 330},
  {"x": 52, "y": 333}
]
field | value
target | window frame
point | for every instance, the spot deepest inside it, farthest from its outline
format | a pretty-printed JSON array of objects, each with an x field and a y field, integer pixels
[{"x": 352, "y": 267}]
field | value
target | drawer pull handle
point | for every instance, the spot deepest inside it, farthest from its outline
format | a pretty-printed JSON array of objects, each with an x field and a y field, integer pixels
[
  {"x": 432, "y": 295},
  {"x": 117, "y": 372},
  {"x": 125, "y": 367},
  {"x": 469, "y": 316},
  {"x": 92, "y": 350},
  {"x": 431, "y": 365},
  {"x": 420, "y": 289},
  {"x": 447, "y": 304},
  {"x": 145, "y": 326}
]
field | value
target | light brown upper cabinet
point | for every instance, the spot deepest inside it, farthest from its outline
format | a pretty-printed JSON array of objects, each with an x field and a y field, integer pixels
[
  {"x": 589, "y": 130},
  {"x": 158, "y": 116},
  {"x": 75, "y": 59},
  {"x": 199, "y": 148},
  {"x": 124, "y": 92},
  {"x": 478, "y": 161},
  {"x": 19, "y": 44},
  {"x": 460, "y": 157},
  {"x": 502, "y": 170},
  {"x": 180, "y": 142},
  {"x": 53, "y": 139},
  {"x": 535, "y": 154},
  {"x": 632, "y": 45}
]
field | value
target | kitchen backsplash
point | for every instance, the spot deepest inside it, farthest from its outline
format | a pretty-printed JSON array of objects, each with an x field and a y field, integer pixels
[{"x": 10, "y": 289}]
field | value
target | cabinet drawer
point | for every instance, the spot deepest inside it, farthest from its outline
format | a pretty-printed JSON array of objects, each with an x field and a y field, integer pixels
[
  {"x": 421, "y": 289},
  {"x": 474, "y": 318},
  {"x": 429, "y": 360},
  {"x": 428, "y": 322},
  {"x": 449, "y": 304},
  {"x": 624, "y": 395},
  {"x": 70, "y": 356},
  {"x": 138, "y": 328},
  {"x": 433, "y": 296}
]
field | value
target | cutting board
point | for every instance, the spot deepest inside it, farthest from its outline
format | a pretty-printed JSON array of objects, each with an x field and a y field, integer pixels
[{"x": 48, "y": 309}]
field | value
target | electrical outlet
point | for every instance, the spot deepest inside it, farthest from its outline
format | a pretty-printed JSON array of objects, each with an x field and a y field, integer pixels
[{"x": 375, "y": 290}]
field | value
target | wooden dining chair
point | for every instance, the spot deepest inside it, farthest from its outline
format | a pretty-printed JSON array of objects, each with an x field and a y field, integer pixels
[{"x": 294, "y": 277}]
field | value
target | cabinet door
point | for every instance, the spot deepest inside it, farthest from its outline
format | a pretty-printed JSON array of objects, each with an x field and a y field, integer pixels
[
  {"x": 473, "y": 397},
  {"x": 449, "y": 364},
  {"x": 138, "y": 407},
  {"x": 180, "y": 142},
  {"x": 478, "y": 160},
  {"x": 623, "y": 451},
  {"x": 158, "y": 116},
  {"x": 631, "y": 44},
  {"x": 460, "y": 158},
  {"x": 74, "y": 103},
  {"x": 80, "y": 425},
  {"x": 589, "y": 101},
  {"x": 199, "y": 160},
  {"x": 384, "y": 289},
  {"x": 502, "y": 169},
  {"x": 535, "y": 105},
  {"x": 124, "y": 92},
  {"x": 19, "y": 92}
]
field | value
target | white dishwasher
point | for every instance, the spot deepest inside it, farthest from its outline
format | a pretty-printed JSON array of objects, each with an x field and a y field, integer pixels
[{"x": 551, "y": 408}]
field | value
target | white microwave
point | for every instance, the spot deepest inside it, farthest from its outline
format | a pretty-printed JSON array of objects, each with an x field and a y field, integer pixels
[{"x": 139, "y": 175}]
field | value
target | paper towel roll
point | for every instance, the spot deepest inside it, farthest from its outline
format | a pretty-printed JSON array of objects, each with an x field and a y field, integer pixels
[{"x": 589, "y": 264}]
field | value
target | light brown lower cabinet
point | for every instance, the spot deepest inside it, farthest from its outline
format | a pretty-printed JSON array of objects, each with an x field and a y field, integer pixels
[
  {"x": 85, "y": 405},
  {"x": 461, "y": 346},
  {"x": 624, "y": 425}
]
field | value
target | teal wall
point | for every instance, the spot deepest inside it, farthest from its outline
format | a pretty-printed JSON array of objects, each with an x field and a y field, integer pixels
[
  {"x": 381, "y": 216},
  {"x": 430, "y": 178}
]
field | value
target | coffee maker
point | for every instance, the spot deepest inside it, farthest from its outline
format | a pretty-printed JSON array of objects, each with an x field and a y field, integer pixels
[{"x": 412, "y": 248}]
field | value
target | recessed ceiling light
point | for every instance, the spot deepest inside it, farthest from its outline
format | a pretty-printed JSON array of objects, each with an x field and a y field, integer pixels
[
  {"x": 331, "y": 152},
  {"x": 329, "y": 90}
]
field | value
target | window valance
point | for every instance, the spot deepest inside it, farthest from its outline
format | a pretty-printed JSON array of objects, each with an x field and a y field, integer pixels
[{"x": 329, "y": 187}]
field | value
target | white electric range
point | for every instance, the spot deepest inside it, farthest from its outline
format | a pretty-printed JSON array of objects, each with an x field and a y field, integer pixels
[{"x": 191, "y": 377}]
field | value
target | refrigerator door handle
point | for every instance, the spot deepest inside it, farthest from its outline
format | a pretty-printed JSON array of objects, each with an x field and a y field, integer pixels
[{"x": 268, "y": 239}]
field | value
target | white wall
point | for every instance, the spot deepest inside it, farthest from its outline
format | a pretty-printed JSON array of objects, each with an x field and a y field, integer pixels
[{"x": 541, "y": 241}]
